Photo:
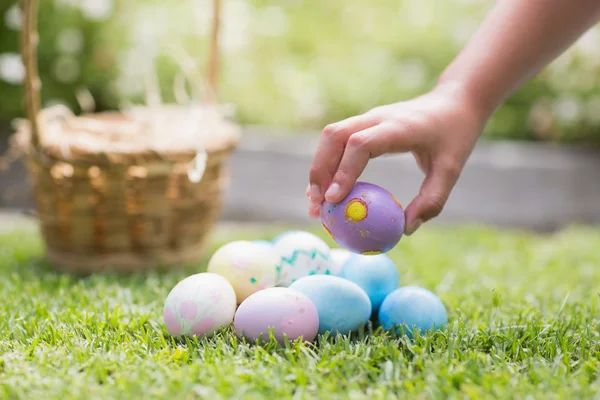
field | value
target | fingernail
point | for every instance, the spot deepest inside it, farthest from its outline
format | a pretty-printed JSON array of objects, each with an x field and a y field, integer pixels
[
  {"x": 314, "y": 191},
  {"x": 307, "y": 191},
  {"x": 413, "y": 227},
  {"x": 333, "y": 190}
]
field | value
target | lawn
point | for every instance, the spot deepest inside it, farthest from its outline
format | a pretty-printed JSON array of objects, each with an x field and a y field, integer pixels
[{"x": 523, "y": 324}]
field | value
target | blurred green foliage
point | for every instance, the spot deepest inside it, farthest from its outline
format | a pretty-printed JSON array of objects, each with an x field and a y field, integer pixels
[
  {"x": 300, "y": 63},
  {"x": 75, "y": 52}
]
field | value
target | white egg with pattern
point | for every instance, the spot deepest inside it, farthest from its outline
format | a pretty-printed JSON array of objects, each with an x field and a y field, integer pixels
[{"x": 301, "y": 254}]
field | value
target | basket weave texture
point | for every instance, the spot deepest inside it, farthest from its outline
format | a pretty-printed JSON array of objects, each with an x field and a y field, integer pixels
[{"x": 113, "y": 189}]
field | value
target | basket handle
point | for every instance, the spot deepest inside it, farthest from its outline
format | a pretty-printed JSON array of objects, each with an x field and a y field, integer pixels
[
  {"x": 32, "y": 84},
  {"x": 213, "y": 52}
]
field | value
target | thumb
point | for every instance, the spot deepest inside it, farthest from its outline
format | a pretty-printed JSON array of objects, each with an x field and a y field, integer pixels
[{"x": 432, "y": 197}]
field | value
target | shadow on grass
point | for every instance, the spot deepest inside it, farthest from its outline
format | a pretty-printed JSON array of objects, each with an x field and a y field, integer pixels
[
  {"x": 376, "y": 344},
  {"x": 22, "y": 257},
  {"x": 44, "y": 270},
  {"x": 362, "y": 336}
]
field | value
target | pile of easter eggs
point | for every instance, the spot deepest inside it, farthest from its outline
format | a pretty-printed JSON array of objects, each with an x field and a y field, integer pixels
[{"x": 296, "y": 287}]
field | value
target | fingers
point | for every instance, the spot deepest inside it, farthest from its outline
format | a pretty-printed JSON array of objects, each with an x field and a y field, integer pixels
[
  {"x": 361, "y": 147},
  {"x": 432, "y": 197},
  {"x": 328, "y": 155}
]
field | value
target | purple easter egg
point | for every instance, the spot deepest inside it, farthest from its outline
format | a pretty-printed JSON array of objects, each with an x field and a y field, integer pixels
[
  {"x": 370, "y": 220},
  {"x": 287, "y": 311}
]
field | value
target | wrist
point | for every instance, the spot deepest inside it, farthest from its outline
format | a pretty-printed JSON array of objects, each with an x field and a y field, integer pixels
[{"x": 471, "y": 99}]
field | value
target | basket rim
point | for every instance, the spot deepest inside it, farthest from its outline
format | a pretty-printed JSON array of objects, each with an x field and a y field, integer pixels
[{"x": 53, "y": 153}]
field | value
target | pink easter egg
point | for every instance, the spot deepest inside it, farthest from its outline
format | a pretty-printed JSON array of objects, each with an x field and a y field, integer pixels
[
  {"x": 199, "y": 305},
  {"x": 287, "y": 311}
]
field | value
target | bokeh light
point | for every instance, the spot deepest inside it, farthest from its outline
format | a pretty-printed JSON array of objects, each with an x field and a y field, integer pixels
[{"x": 300, "y": 63}]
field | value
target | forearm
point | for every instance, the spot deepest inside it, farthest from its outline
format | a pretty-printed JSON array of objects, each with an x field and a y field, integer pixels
[{"x": 516, "y": 40}]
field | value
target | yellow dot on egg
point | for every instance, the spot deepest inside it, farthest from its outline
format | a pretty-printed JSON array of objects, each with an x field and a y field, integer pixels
[
  {"x": 371, "y": 252},
  {"x": 356, "y": 210}
]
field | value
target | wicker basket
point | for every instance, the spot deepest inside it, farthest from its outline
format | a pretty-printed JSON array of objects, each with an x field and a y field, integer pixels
[{"x": 111, "y": 192}]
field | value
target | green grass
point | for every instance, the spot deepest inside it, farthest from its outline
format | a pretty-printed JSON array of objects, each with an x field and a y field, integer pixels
[{"x": 523, "y": 324}]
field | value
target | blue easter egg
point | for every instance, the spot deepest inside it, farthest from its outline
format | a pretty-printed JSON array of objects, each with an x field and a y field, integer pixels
[
  {"x": 342, "y": 305},
  {"x": 376, "y": 275},
  {"x": 414, "y": 308}
]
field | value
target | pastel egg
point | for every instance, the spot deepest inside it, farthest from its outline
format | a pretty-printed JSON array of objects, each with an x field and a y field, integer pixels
[
  {"x": 414, "y": 309},
  {"x": 342, "y": 305},
  {"x": 370, "y": 220},
  {"x": 249, "y": 267},
  {"x": 376, "y": 275},
  {"x": 287, "y": 311},
  {"x": 301, "y": 254},
  {"x": 199, "y": 305},
  {"x": 338, "y": 258},
  {"x": 283, "y": 234},
  {"x": 264, "y": 243}
]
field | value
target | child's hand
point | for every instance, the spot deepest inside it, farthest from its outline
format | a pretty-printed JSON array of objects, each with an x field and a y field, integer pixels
[
  {"x": 516, "y": 40},
  {"x": 440, "y": 128}
]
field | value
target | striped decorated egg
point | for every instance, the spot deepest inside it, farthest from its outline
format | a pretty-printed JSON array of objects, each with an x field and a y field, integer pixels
[{"x": 301, "y": 254}]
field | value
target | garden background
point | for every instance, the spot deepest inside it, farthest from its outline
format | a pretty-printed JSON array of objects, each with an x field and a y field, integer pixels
[{"x": 300, "y": 63}]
